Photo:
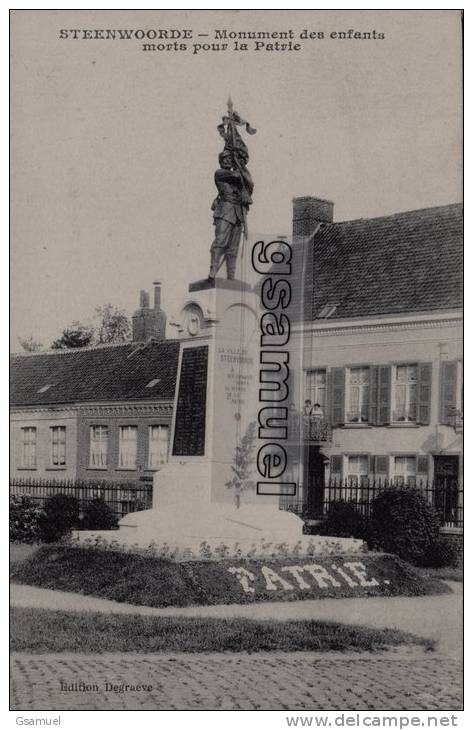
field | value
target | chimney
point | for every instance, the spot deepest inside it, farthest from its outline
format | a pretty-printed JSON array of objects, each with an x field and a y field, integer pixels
[
  {"x": 308, "y": 212},
  {"x": 157, "y": 294},
  {"x": 144, "y": 299},
  {"x": 149, "y": 323}
]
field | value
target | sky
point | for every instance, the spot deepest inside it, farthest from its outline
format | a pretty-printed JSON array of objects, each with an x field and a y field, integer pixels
[{"x": 114, "y": 149}]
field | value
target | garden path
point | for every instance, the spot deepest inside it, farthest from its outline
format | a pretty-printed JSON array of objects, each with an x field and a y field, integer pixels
[{"x": 436, "y": 617}]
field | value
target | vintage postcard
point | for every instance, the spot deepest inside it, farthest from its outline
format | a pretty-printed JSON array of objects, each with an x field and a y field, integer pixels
[{"x": 236, "y": 470}]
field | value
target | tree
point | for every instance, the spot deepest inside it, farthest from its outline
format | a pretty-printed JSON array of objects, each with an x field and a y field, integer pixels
[
  {"x": 241, "y": 467},
  {"x": 113, "y": 325},
  {"x": 403, "y": 522},
  {"x": 110, "y": 325},
  {"x": 59, "y": 516},
  {"x": 29, "y": 344},
  {"x": 77, "y": 335}
]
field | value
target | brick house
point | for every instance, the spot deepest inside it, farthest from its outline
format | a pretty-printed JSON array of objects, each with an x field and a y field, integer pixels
[{"x": 98, "y": 413}]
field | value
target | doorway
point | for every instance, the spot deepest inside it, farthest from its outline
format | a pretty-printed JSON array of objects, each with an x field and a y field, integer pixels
[
  {"x": 446, "y": 487},
  {"x": 315, "y": 471}
]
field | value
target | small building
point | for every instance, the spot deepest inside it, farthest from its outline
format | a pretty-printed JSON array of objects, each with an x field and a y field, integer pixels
[{"x": 95, "y": 413}]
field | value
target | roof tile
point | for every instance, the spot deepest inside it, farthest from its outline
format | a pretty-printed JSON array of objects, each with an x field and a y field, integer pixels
[
  {"x": 114, "y": 373},
  {"x": 407, "y": 262}
]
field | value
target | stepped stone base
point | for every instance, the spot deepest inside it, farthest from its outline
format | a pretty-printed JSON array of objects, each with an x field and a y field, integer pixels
[
  {"x": 252, "y": 529},
  {"x": 183, "y": 517}
]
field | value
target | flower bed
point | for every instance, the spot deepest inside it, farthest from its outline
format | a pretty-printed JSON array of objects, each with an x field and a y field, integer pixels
[{"x": 152, "y": 581}]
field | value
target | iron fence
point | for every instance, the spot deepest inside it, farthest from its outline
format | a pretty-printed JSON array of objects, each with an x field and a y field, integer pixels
[
  {"x": 446, "y": 495},
  {"x": 121, "y": 497}
]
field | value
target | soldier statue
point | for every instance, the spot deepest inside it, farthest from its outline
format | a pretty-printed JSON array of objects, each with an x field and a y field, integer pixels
[{"x": 235, "y": 187}]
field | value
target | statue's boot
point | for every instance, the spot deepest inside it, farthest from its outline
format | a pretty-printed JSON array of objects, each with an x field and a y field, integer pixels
[
  {"x": 231, "y": 266},
  {"x": 214, "y": 264}
]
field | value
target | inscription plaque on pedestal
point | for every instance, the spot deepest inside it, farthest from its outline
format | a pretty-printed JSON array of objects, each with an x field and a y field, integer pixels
[{"x": 189, "y": 430}]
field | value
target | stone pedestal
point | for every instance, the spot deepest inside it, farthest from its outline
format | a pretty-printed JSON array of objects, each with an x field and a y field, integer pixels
[{"x": 216, "y": 404}]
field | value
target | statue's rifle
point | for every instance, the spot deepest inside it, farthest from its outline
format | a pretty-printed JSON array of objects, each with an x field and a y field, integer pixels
[{"x": 236, "y": 161}]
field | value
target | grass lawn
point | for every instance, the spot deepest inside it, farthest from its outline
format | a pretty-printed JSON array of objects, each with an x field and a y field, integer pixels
[
  {"x": 43, "y": 631},
  {"x": 19, "y": 552}
]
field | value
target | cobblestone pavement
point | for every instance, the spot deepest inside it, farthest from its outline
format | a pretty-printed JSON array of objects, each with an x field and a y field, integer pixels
[{"x": 408, "y": 680}]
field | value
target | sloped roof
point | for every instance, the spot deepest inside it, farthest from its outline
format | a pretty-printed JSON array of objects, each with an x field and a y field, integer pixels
[
  {"x": 114, "y": 373},
  {"x": 402, "y": 263}
]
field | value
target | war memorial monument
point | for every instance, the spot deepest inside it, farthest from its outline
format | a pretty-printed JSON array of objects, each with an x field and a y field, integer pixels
[{"x": 228, "y": 463}]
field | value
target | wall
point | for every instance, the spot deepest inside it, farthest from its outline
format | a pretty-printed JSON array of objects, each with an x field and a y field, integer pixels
[
  {"x": 77, "y": 421},
  {"x": 42, "y": 419},
  {"x": 388, "y": 341},
  {"x": 114, "y": 416}
]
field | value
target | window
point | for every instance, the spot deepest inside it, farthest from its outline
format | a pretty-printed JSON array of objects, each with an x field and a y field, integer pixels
[
  {"x": 316, "y": 389},
  {"x": 158, "y": 446},
  {"x": 127, "y": 447},
  {"x": 98, "y": 447},
  {"x": 405, "y": 471},
  {"x": 405, "y": 393},
  {"x": 28, "y": 448},
  {"x": 58, "y": 446},
  {"x": 358, "y": 469},
  {"x": 358, "y": 397}
]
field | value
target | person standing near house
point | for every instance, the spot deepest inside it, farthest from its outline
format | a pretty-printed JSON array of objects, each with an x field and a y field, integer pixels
[{"x": 317, "y": 411}]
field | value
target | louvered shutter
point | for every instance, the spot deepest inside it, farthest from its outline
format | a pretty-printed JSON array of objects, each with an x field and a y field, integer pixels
[
  {"x": 335, "y": 465},
  {"x": 374, "y": 375},
  {"x": 422, "y": 464},
  {"x": 384, "y": 395},
  {"x": 448, "y": 391},
  {"x": 338, "y": 396},
  {"x": 381, "y": 464},
  {"x": 424, "y": 385},
  {"x": 380, "y": 470},
  {"x": 328, "y": 395},
  {"x": 291, "y": 389}
]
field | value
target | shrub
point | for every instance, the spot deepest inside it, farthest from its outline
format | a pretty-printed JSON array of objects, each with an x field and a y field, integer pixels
[
  {"x": 403, "y": 522},
  {"x": 99, "y": 516},
  {"x": 23, "y": 520},
  {"x": 343, "y": 520},
  {"x": 442, "y": 553},
  {"x": 59, "y": 516}
]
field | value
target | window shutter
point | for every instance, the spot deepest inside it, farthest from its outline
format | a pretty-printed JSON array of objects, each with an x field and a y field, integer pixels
[
  {"x": 291, "y": 387},
  {"x": 424, "y": 380},
  {"x": 384, "y": 395},
  {"x": 381, "y": 463},
  {"x": 372, "y": 464},
  {"x": 448, "y": 391},
  {"x": 336, "y": 464},
  {"x": 422, "y": 464},
  {"x": 328, "y": 395},
  {"x": 374, "y": 395},
  {"x": 338, "y": 396}
]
